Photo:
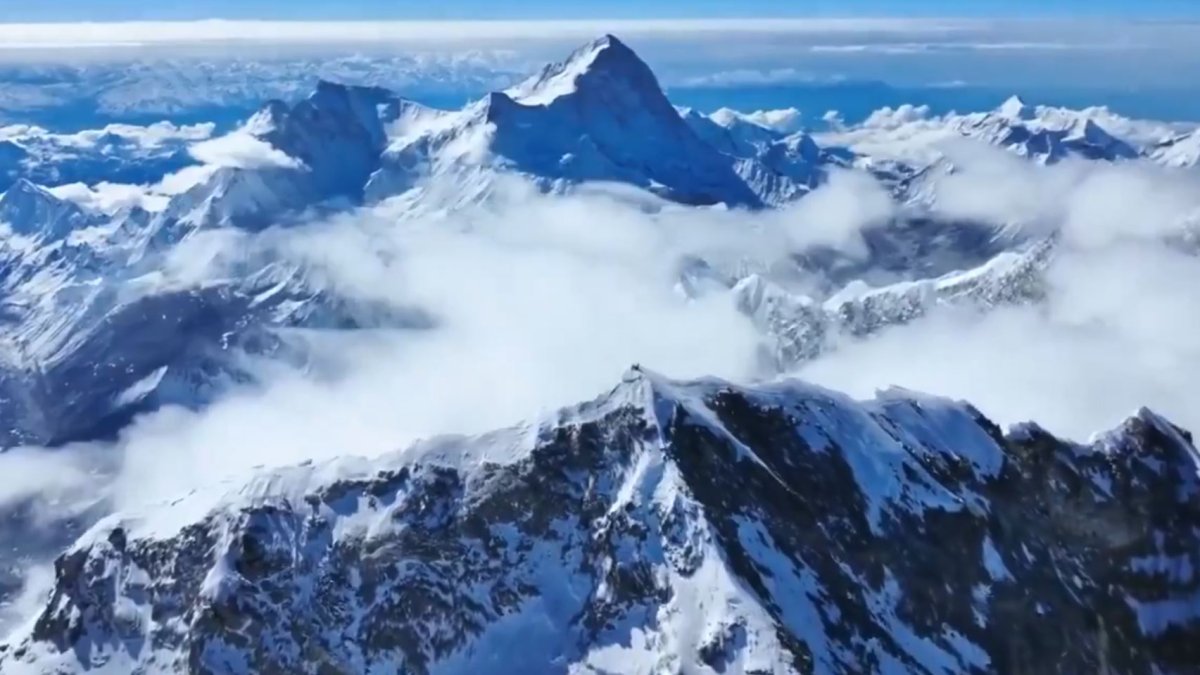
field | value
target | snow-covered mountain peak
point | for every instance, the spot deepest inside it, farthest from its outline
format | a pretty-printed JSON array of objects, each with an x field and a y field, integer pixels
[
  {"x": 332, "y": 113},
  {"x": 1179, "y": 151},
  {"x": 726, "y": 117},
  {"x": 730, "y": 133},
  {"x": 745, "y": 127},
  {"x": 270, "y": 117},
  {"x": 784, "y": 120},
  {"x": 1015, "y": 108},
  {"x": 601, "y": 64},
  {"x": 23, "y": 190},
  {"x": 322, "y": 149},
  {"x": 30, "y": 209},
  {"x": 597, "y": 116},
  {"x": 1047, "y": 135}
]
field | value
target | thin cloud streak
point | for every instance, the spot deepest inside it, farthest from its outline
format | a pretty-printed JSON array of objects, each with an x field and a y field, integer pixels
[{"x": 73, "y": 35}]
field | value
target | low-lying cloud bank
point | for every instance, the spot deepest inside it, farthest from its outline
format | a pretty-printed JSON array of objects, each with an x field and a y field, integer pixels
[
  {"x": 1115, "y": 333},
  {"x": 1116, "y": 328},
  {"x": 540, "y": 301},
  {"x": 1091, "y": 204}
]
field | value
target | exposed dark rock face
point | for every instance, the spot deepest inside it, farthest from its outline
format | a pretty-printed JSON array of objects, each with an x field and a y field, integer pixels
[{"x": 669, "y": 527}]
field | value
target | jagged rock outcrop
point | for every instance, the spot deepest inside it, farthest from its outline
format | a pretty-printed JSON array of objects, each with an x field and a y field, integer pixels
[{"x": 666, "y": 527}]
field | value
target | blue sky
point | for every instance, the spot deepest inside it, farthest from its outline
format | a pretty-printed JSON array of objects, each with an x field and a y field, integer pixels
[
  {"x": 101, "y": 10},
  {"x": 973, "y": 58}
]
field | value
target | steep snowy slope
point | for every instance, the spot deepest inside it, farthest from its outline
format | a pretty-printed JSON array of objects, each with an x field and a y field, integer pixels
[
  {"x": 779, "y": 168},
  {"x": 32, "y": 211},
  {"x": 600, "y": 115},
  {"x": 322, "y": 148},
  {"x": 94, "y": 325},
  {"x": 667, "y": 526},
  {"x": 730, "y": 133}
]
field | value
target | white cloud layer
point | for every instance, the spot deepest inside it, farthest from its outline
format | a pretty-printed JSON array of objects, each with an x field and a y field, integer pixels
[
  {"x": 1116, "y": 330},
  {"x": 540, "y": 301},
  {"x": 242, "y": 150},
  {"x": 149, "y": 137},
  {"x": 75, "y": 35},
  {"x": 700, "y": 52},
  {"x": 1092, "y": 204},
  {"x": 783, "y": 120},
  {"x": 836, "y": 214},
  {"x": 110, "y": 197}
]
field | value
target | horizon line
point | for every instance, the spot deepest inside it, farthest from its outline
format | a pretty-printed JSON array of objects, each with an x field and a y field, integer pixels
[{"x": 90, "y": 33}]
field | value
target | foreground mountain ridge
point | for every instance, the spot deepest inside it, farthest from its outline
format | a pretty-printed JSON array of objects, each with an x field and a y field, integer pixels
[{"x": 665, "y": 527}]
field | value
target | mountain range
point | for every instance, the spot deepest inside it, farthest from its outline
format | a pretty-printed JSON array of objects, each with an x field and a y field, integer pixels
[
  {"x": 598, "y": 116},
  {"x": 667, "y": 526}
]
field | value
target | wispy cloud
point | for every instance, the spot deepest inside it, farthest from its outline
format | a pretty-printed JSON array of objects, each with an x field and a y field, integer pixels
[
  {"x": 172, "y": 68},
  {"x": 75, "y": 35},
  {"x": 894, "y": 48},
  {"x": 1112, "y": 332},
  {"x": 550, "y": 298},
  {"x": 755, "y": 78},
  {"x": 242, "y": 150}
]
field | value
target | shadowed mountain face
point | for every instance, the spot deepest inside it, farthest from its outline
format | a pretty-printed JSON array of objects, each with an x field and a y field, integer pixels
[{"x": 667, "y": 526}]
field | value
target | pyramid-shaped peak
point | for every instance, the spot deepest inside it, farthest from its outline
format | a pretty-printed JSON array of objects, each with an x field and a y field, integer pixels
[
  {"x": 1089, "y": 130},
  {"x": 1014, "y": 108},
  {"x": 29, "y": 209},
  {"x": 24, "y": 186},
  {"x": 607, "y": 41},
  {"x": 24, "y": 194},
  {"x": 602, "y": 64},
  {"x": 605, "y": 50}
]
